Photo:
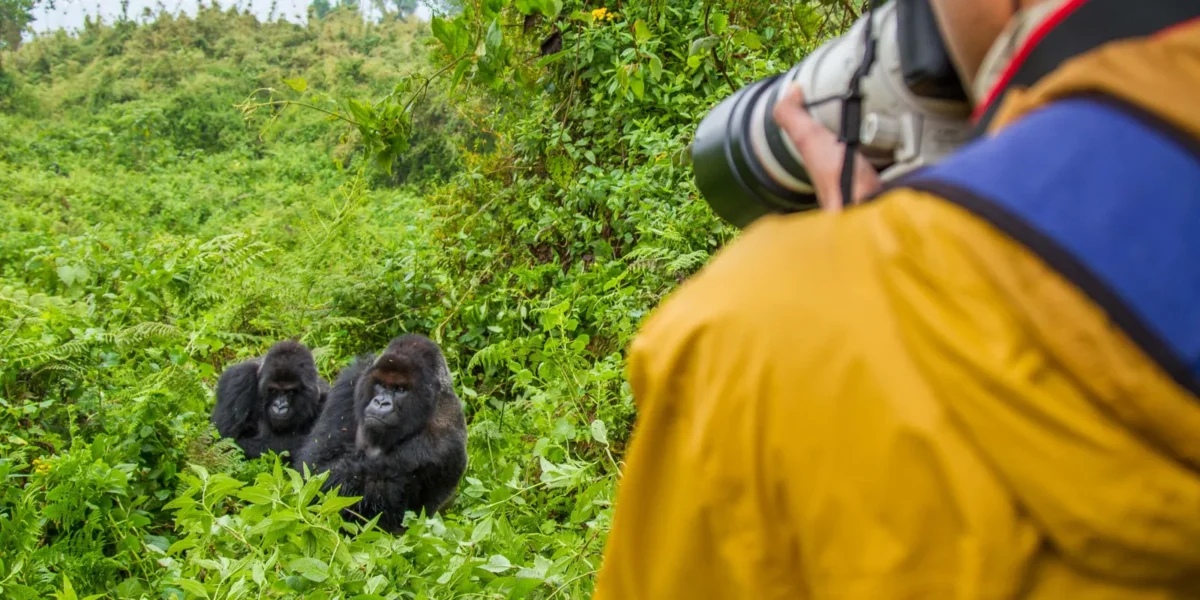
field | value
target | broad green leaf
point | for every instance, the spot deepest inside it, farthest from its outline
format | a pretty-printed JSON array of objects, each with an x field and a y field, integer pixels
[
  {"x": 68, "y": 591},
  {"x": 599, "y": 431},
  {"x": 494, "y": 39},
  {"x": 200, "y": 470},
  {"x": 376, "y": 584},
  {"x": 561, "y": 475},
  {"x": 497, "y": 564},
  {"x": 184, "y": 544},
  {"x": 563, "y": 429},
  {"x": 462, "y": 36},
  {"x": 524, "y": 585},
  {"x": 72, "y": 274},
  {"x": 192, "y": 586},
  {"x": 719, "y": 22},
  {"x": 310, "y": 568},
  {"x": 585, "y": 503},
  {"x": 641, "y": 31},
  {"x": 751, "y": 40},
  {"x": 481, "y": 531},
  {"x": 551, "y": 8},
  {"x": 297, "y": 583},
  {"x": 656, "y": 67},
  {"x": 550, "y": 59},
  {"x": 444, "y": 32},
  {"x": 254, "y": 495},
  {"x": 299, "y": 84},
  {"x": 492, "y": 8},
  {"x": 334, "y": 503},
  {"x": 310, "y": 490},
  {"x": 219, "y": 486},
  {"x": 702, "y": 44},
  {"x": 364, "y": 114}
]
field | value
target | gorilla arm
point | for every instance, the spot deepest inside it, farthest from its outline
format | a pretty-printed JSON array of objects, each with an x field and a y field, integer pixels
[
  {"x": 236, "y": 412},
  {"x": 330, "y": 446},
  {"x": 437, "y": 458}
]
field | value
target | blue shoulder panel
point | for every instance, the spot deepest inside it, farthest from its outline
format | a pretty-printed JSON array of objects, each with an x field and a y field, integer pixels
[{"x": 1108, "y": 197}]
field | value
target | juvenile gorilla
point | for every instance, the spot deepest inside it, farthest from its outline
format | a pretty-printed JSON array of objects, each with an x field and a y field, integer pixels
[
  {"x": 271, "y": 402},
  {"x": 393, "y": 432}
]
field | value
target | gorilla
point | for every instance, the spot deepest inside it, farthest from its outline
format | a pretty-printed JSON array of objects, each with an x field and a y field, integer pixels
[
  {"x": 392, "y": 432},
  {"x": 271, "y": 402}
]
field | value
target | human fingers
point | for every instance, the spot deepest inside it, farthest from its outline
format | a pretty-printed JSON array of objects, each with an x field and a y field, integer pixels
[{"x": 821, "y": 152}]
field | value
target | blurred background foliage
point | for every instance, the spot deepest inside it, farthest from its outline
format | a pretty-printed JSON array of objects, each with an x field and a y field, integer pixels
[{"x": 177, "y": 193}]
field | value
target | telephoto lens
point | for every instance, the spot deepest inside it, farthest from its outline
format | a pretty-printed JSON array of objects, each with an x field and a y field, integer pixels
[{"x": 746, "y": 166}]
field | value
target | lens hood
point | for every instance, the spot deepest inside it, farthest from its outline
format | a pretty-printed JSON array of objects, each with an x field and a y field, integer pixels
[{"x": 729, "y": 174}]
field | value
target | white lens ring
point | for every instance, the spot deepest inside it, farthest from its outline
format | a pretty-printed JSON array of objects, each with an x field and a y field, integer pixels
[{"x": 762, "y": 151}]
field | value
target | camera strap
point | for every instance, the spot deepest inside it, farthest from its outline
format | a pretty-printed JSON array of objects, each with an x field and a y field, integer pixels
[
  {"x": 1079, "y": 26},
  {"x": 850, "y": 132}
]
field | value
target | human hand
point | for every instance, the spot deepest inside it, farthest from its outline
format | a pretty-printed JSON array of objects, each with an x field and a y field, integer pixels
[{"x": 822, "y": 153}]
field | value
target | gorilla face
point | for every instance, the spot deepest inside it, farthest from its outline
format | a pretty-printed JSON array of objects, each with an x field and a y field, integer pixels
[
  {"x": 383, "y": 411},
  {"x": 396, "y": 397},
  {"x": 279, "y": 398},
  {"x": 288, "y": 387}
]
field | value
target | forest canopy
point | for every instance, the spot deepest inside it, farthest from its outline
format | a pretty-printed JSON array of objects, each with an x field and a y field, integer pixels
[{"x": 177, "y": 193}]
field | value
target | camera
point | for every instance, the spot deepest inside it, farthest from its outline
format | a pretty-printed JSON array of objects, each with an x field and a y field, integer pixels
[{"x": 887, "y": 86}]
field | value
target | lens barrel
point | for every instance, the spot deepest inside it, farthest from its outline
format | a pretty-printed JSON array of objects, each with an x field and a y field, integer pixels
[{"x": 741, "y": 163}]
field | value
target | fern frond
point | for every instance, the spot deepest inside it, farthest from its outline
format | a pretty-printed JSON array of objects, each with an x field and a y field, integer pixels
[
  {"x": 22, "y": 309},
  {"x": 141, "y": 332},
  {"x": 65, "y": 368},
  {"x": 58, "y": 353},
  {"x": 687, "y": 262}
]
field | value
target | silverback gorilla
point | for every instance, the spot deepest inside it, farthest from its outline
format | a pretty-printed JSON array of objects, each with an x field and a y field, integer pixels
[
  {"x": 271, "y": 402},
  {"x": 392, "y": 432}
]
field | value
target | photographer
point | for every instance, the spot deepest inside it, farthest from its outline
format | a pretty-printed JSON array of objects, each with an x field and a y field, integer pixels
[{"x": 983, "y": 381}]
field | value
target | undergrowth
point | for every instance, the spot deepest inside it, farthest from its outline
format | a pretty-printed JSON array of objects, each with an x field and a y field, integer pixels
[{"x": 177, "y": 195}]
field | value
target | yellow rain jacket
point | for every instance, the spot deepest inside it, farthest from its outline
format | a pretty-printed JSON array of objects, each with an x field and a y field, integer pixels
[{"x": 952, "y": 391}]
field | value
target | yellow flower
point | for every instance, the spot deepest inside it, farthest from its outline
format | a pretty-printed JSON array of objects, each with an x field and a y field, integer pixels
[
  {"x": 40, "y": 467},
  {"x": 610, "y": 16},
  {"x": 599, "y": 13}
]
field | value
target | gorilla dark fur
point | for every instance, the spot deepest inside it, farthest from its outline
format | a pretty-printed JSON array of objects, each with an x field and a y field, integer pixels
[
  {"x": 392, "y": 432},
  {"x": 271, "y": 402}
]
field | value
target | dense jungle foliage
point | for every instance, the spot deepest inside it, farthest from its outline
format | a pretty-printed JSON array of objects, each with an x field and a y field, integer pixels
[{"x": 178, "y": 193}]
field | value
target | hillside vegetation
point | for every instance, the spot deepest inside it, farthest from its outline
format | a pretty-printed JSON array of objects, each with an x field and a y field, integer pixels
[{"x": 177, "y": 194}]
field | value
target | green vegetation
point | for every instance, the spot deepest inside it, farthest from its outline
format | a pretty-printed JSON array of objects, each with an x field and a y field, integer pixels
[{"x": 177, "y": 195}]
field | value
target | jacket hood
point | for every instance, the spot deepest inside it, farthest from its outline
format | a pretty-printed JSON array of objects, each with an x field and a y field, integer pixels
[{"x": 1160, "y": 75}]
